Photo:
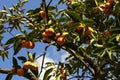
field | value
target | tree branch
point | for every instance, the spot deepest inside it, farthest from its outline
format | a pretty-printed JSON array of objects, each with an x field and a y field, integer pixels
[
  {"x": 27, "y": 75},
  {"x": 46, "y": 9},
  {"x": 49, "y": 3},
  {"x": 5, "y": 71},
  {"x": 87, "y": 59},
  {"x": 79, "y": 58},
  {"x": 43, "y": 60}
]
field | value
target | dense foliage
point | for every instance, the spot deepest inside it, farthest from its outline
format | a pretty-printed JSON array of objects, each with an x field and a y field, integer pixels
[{"x": 89, "y": 30}]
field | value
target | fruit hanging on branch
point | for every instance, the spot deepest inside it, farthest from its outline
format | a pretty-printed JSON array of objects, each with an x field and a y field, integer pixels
[
  {"x": 48, "y": 34},
  {"x": 20, "y": 72},
  {"x": 28, "y": 44},
  {"x": 42, "y": 14}
]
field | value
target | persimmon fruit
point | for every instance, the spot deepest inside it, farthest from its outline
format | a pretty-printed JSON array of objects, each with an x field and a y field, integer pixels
[
  {"x": 107, "y": 5},
  {"x": 34, "y": 66},
  {"x": 28, "y": 44},
  {"x": 58, "y": 35},
  {"x": 81, "y": 26},
  {"x": 89, "y": 31},
  {"x": 49, "y": 32},
  {"x": 27, "y": 65},
  {"x": 20, "y": 72},
  {"x": 64, "y": 34},
  {"x": 61, "y": 40},
  {"x": 42, "y": 14},
  {"x": 111, "y": 1}
]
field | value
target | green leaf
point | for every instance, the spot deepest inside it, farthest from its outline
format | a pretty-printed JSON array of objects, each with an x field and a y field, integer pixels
[
  {"x": 17, "y": 46},
  {"x": 3, "y": 54},
  {"x": 22, "y": 58},
  {"x": 98, "y": 49},
  {"x": 6, "y": 54},
  {"x": 15, "y": 62},
  {"x": 68, "y": 57},
  {"x": 10, "y": 41},
  {"x": 1, "y": 29},
  {"x": 47, "y": 73},
  {"x": 30, "y": 57},
  {"x": 75, "y": 16},
  {"x": 98, "y": 45},
  {"x": 51, "y": 8},
  {"x": 4, "y": 7},
  {"x": 35, "y": 72},
  {"x": 58, "y": 77},
  {"x": 34, "y": 54},
  {"x": 118, "y": 37},
  {"x": 88, "y": 21},
  {"x": 1, "y": 37},
  {"x": 103, "y": 53},
  {"x": 3, "y": 57},
  {"x": 9, "y": 77},
  {"x": 69, "y": 68},
  {"x": 109, "y": 53}
]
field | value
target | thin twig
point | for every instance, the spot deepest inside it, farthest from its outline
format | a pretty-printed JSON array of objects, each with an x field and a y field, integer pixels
[
  {"x": 49, "y": 3},
  {"x": 39, "y": 56},
  {"x": 5, "y": 71},
  {"x": 43, "y": 60}
]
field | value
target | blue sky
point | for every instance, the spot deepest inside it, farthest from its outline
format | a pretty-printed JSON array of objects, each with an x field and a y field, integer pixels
[{"x": 52, "y": 53}]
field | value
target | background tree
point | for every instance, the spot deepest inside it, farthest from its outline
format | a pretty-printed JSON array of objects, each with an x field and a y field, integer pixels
[{"x": 89, "y": 30}]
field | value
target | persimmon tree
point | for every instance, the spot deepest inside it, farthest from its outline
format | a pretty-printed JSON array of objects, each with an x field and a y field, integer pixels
[{"x": 89, "y": 30}]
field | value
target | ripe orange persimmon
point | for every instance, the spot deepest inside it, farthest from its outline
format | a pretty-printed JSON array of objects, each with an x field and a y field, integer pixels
[
  {"x": 111, "y": 1},
  {"x": 20, "y": 72},
  {"x": 27, "y": 65},
  {"x": 34, "y": 66},
  {"x": 62, "y": 34},
  {"x": 81, "y": 26},
  {"x": 89, "y": 31},
  {"x": 46, "y": 37},
  {"x": 107, "y": 5},
  {"x": 28, "y": 44},
  {"x": 58, "y": 35},
  {"x": 61, "y": 40},
  {"x": 42, "y": 14},
  {"x": 50, "y": 32}
]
